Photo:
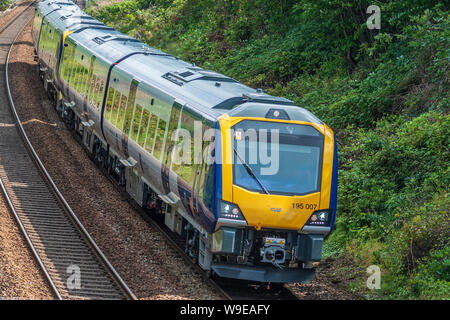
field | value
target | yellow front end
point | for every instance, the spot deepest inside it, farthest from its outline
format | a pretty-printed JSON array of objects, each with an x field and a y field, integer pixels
[{"x": 274, "y": 211}]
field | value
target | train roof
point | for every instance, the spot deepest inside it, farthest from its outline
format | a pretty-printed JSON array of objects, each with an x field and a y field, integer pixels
[{"x": 211, "y": 92}]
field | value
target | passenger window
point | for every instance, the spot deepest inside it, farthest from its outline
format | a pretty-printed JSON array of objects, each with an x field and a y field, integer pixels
[
  {"x": 186, "y": 169},
  {"x": 81, "y": 80},
  {"x": 84, "y": 81},
  {"x": 72, "y": 73},
  {"x": 89, "y": 81},
  {"x": 93, "y": 84},
  {"x": 160, "y": 138},
  {"x": 115, "y": 109},
  {"x": 94, "y": 90},
  {"x": 92, "y": 80},
  {"x": 100, "y": 92},
  {"x": 130, "y": 107},
  {"x": 173, "y": 125},
  {"x": 128, "y": 119},
  {"x": 77, "y": 80},
  {"x": 67, "y": 63},
  {"x": 109, "y": 102},
  {"x": 97, "y": 91},
  {"x": 121, "y": 112},
  {"x": 137, "y": 118},
  {"x": 143, "y": 128},
  {"x": 71, "y": 64},
  {"x": 151, "y": 133}
]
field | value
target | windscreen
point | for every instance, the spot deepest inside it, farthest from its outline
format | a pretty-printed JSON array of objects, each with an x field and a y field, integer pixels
[{"x": 277, "y": 158}]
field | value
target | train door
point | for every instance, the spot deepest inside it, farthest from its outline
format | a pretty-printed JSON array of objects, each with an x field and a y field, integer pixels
[
  {"x": 37, "y": 21},
  {"x": 43, "y": 42}
]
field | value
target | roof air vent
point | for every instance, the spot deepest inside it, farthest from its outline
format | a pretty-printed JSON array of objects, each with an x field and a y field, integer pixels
[
  {"x": 186, "y": 74},
  {"x": 98, "y": 40}
]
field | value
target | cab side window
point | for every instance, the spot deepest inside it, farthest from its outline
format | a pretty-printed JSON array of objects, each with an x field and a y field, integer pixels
[{"x": 206, "y": 183}]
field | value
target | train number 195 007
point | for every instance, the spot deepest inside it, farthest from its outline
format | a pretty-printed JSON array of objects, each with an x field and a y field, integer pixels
[{"x": 307, "y": 206}]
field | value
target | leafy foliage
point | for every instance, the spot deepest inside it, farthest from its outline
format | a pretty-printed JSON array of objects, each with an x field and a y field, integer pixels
[
  {"x": 4, "y": 5},
  {"x": 384, "y": 92}
]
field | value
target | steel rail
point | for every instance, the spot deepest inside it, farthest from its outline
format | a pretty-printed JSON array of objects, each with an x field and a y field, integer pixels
[
  {"x": 65, "y": 206},
  {"x": 16, "y": 16},
  {"x": 8, "y": 199}
]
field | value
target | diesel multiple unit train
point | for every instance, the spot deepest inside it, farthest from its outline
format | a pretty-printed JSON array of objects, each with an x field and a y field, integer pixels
[{"x": 249, "y": 180}]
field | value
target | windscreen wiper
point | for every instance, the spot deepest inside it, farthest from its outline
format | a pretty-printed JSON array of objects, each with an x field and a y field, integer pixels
[{"x": 250, "y": 171}]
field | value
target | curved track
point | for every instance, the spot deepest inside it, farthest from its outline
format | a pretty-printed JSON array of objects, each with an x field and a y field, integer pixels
[
  {"x": 70, "y": 260},
  {"x": 55, "y": 235}
]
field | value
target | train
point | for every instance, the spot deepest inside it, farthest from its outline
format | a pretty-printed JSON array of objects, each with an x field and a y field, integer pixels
[{"x": 247, "y": 180}]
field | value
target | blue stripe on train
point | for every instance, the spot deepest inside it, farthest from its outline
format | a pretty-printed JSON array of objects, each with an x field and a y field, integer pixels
[
  {"x": 58, "y": 62},
  {"x": 218, "y": 170},
  {"x": 334, "y": 184}
]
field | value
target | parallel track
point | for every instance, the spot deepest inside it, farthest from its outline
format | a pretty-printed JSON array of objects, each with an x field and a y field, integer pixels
[{"x": 61, "y": 245}]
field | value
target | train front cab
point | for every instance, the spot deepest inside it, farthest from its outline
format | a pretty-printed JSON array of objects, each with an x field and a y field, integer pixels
[{"x": 275, "y": 209}]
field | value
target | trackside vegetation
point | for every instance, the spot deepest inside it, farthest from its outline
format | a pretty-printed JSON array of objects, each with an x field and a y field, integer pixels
[
  {"x": 4, "y": 5},
  {"x": 384, "y": 92}
]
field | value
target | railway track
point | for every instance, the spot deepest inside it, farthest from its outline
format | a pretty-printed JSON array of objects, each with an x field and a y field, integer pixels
[
  {"x": 69, "y": 258},
  {"x": 57, "y": 272}
]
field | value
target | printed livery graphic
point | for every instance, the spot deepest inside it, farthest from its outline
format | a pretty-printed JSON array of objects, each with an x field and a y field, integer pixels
[{"x": 255, "y": 194}]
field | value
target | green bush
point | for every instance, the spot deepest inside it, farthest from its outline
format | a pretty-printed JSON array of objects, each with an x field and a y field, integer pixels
[
  {"x": 4, "y": 4},
  {"x": 385, "y": 93},
  {"x": 433, "y": 277}
]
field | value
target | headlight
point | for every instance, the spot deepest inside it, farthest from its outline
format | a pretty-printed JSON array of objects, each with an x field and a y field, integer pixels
[
  {"x": 320, "y": 218},
  {"x": 229, "y": 210}
]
